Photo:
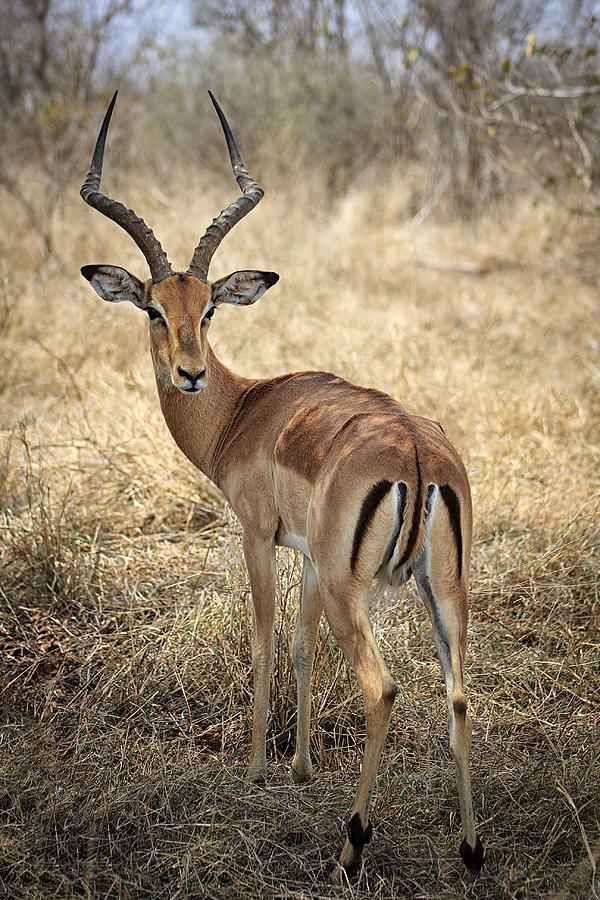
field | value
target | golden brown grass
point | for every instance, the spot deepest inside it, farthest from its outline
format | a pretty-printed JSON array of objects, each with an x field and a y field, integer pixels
[{"x": 124, "y": 604}]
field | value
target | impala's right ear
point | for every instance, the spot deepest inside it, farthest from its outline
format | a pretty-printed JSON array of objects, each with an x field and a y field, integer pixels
[{"x": 115, "y": 284}]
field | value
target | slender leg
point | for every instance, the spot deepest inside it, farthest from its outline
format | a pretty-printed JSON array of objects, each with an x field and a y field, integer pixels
[
  {"x": 303, "y": 654},
  {"x": 260, "y": 560},
  {"x": 350, "y": 624},
  {"x": 446, "y": 603}
]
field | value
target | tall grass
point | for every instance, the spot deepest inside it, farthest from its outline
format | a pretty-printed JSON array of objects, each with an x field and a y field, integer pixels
[{"x": 124, "y": 604}]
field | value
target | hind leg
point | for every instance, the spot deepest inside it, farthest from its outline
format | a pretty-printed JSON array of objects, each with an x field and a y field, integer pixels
[
  {"x": 445, "y": 596},
  {"x": 348, "y": 616},
  {"x": 303, "y": 654}
]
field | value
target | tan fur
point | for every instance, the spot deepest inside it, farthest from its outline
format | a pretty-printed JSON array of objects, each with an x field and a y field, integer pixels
[
  {"x": 345, "y": 475},
  {"x": 295, "y": 456}
]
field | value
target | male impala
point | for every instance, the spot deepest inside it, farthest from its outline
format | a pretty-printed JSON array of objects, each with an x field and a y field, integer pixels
[{"x": 341, "y": 473}]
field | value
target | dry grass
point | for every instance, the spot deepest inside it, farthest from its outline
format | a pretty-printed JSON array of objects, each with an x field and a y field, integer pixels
[{"x": 125, "y": 619}]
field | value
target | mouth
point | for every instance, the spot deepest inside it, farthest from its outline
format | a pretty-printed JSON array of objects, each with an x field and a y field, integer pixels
[{"x": 194, "y": 389}]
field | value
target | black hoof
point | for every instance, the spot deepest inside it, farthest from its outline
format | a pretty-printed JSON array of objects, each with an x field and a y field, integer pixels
[
  {"x": 472, "y": 856},
  {"x": 352, "y": 867}
]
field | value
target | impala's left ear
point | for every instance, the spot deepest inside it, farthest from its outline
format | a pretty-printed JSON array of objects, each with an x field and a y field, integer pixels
[{"x": 242, "y": 288}]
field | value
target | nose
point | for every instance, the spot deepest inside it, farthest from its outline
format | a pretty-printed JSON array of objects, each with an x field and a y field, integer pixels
[{"x": 190, "y": 376}]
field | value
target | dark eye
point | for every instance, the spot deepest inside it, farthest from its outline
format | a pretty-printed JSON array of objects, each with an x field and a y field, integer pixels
[
  {"x": 210, "y": 313},
  {"x": 153, "y": 313}
]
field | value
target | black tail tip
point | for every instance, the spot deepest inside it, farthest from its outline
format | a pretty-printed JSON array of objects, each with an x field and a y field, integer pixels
[{"x": 472, "y": 856}]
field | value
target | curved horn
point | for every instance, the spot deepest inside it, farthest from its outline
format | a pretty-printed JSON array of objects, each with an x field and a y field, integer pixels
[
  {"x": 160, "y": 267},
  {"x": 224, "y": 222}
]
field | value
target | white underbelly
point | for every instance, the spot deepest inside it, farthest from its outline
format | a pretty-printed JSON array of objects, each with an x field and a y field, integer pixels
[{"x": 295, "y": 541}]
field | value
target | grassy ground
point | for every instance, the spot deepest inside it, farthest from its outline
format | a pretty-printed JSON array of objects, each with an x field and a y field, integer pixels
[{"x": 124, "y": 603}]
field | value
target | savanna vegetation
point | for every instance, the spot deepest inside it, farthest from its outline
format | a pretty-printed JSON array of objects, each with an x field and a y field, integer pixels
[{"x": 431, "y": 177}]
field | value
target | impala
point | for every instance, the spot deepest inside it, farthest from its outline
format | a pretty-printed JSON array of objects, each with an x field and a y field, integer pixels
[{"x": 344, "y": 474}]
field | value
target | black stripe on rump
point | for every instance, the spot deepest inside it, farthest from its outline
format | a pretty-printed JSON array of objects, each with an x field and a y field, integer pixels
[
  {"x": 416, "y": 518},
  {"x": 367, "y": 511},
  {"x": 389, "y": 550},
  {"x": 453, "y": 506}
]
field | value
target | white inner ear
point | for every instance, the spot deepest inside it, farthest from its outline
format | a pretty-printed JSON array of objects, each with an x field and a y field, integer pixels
[
  {"x": 241, "y": 288},
  {"x": 116, "y": 285}
]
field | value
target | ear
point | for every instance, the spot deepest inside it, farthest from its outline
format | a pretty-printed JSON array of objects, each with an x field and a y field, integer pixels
[
  {"x": 115, "y": 284},
  {"x": 242, "y": 288}
]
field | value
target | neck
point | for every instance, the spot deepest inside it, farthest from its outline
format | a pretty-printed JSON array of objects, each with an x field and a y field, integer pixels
[{"x": 196, "y": 421}]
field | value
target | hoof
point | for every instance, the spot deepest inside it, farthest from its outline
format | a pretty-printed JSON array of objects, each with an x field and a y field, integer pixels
[
  {"x": 338, "y": 876},
  {"x": 351, "y": 855},
  {"x": 301, "y": 771},
  {"x": 256, "y": 775},
  {"x": 300, "y": 777},
  {"x": 341, "y": 874},
  {"x": 472, "y": 856}
]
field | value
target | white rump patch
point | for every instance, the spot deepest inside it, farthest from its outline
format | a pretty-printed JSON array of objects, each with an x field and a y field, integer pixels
[{"x": 390, "y": 574}]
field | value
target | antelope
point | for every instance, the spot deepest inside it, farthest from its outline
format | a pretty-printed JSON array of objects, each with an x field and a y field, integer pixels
[{"x": 363, "y": 489}]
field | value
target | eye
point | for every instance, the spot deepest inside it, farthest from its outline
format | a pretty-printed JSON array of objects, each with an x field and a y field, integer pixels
[
  {"x": 153, "y": 313},
  {"x": 209, "y": 314}
]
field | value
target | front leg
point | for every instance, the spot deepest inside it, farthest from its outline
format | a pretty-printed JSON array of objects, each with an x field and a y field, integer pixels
[
  {"x": 303, "y": 654},
  {"x": 260, "y": 560}
]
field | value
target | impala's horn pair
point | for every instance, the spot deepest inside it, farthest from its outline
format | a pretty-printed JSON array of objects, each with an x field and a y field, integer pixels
[{"x": 160, "y": 267}]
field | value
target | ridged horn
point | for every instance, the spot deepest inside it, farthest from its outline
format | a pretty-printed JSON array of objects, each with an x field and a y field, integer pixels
[
  {"x": 160, "y": 267},
  {"x": 224, "y": 222}
]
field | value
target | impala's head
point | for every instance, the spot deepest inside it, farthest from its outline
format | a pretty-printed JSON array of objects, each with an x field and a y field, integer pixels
[{"x": 179, "y": 305}]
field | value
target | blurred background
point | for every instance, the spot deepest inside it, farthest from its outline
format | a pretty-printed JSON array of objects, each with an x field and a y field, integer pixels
[{"x": 466, "y": 100}]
